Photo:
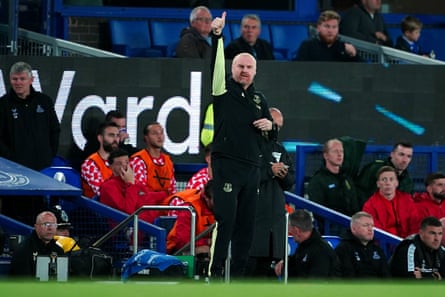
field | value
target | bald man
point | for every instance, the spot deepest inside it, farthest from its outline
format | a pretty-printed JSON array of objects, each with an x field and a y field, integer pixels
[{"x": 242, "y": 122}]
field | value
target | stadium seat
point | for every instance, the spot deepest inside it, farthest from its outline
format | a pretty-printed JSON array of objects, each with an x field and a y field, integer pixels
[
  {"x": 291, "y": 244},
  {"x": 165, "y": 35},
  {"x": 165, "y": 222},
  {"x": 70, "y": 175},
  {"x": 60, "y": 161},
  {"x": 132, "y": 39},
  {"x": 332, "y": 240},
  {"x": 286, "y": 39}
]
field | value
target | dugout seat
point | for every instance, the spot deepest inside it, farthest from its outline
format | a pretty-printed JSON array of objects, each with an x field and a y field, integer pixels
[{"x": 286, "y": 39}]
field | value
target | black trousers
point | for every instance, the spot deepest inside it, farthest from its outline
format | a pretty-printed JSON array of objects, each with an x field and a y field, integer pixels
[{"x": 236, "y": 190}]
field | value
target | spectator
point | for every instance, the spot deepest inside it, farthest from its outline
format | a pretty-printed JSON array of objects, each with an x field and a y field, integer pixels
[
  {"x": 393, "y": 211},
  {"x": 430, "y": 203},
  {"x": 249, "y": 41},
  {"x": 314, "y": 257},
  {"x": 421, "y": 256},
  {"x": 39, "y": 243},
  {"x": 151, "y": 166},
  {"x": 409, "y": 40},
  {"x": 365, "y": 22},
  {"x": 200, "y": 178},
  {"x": 242, "y": 119},
  {"x": 95, "y": 169},
  {"x": 29, "y": 128},
  {"x": 194, "y": 40},
  {"x": 123, "y": 192},
  {"x": 400, "y": 158},
  {"x": 330, "y": 186},
  {"x": 277, "y": 176},
  {"x": 359, "y": 255},
  {"x": 179, "y": 235},
  {"x": 327, "y": 46}
]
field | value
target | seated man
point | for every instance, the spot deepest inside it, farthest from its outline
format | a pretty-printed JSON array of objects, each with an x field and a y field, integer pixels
[
  {"x": 431, "y": 202},
  {"x": 200, "y": 178},
  {"x": 202, "y": 202},
  {"x": 359, "y": 255},
  {"x": 123, "y": 192},
  {"x": 327, "y": 46},
  {"x": 314, "y": 257},
  {"x": 421, "y": 256},
  {"x": 152, "y": 167},
  {"x": 39, "y": 243},
  {"x": 249, "y": 41},
  {"x": 393, "y": 211},
  {"x": 95, "y": 169},
  {"x": 193, "y": 42}
]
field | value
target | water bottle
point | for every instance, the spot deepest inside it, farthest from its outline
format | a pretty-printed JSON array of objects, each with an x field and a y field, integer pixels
[
  {"x": 432, "y": 54},
  {"x": 59, "y": 176},
  {"x": 126, "y": 140}
]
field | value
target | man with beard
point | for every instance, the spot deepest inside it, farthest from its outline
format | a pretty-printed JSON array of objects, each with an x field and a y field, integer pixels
[
  {"x": 151, "y": 166},
  {"x": 421, "y": 256},
  {"x": 430, "y": 202},
  {"x": 95, "y": 169},
  {"x": 327, "y": 46},
  {"x": 400, "y": 158}
]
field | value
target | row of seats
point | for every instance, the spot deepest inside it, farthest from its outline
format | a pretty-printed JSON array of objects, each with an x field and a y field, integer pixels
[{"x": 158, "y": 38}]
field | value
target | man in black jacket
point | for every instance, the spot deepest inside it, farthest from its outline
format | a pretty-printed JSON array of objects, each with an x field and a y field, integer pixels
[
  {"x": 39, "y": 243},
  {"x": 314, "y": 257},
  {"x": 359, "y": 255},
  {"x": 421, "y": 256},
  {"x": 327, "y": 46},
  {"x": 364, "y": 22},
  {"x": 242, "y": 122},
  {"x": 249, "y": 41}
]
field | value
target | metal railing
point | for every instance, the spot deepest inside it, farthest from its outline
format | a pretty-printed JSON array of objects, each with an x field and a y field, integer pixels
[{"x": 34, "y": 44}]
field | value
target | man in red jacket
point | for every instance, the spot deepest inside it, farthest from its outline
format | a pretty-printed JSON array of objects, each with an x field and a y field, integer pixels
[
  {"x": 123, "y": 192},
  {"x": 393, "y": 211},
  {"x": 430, "y": 202}
]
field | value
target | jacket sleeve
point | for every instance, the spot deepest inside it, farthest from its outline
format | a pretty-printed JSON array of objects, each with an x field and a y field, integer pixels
[
  {"x": 112, "y": 196},
  {"x": 289, "y": 180},
  {"x": 218, "y": 63},
  {"x": 187, "y": 47},
  {"x": 182, "y": 229},
  {"x": 346, "y": 264},
  {"x": 315, "y": 190}
]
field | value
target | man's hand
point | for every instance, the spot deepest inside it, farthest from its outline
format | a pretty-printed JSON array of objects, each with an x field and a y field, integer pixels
[
  {"x": 278, "y": 268},
  {"x": 127, "y": 175},
  {"x": 350, "y": 50},
  {"x": 381, "y": 36},
  {"x": 263, "y": 124},
  {"x": 279, "y": 169},
  {"x": 218, "y": 24}
]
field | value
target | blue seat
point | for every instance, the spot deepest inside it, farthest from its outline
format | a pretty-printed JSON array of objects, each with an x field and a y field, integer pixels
[
  {"x": 132, "y": 39},
  {"x": 333, "y": 240},
  {"x": 291, "y": 245},
  {"x": 236, "y": 31},
  {"x": 165, "y": 35},
  {"x": 286, "y": 39},
  {"x": 71, "y": 176},
  {"x": 60, "y": 161},
  {"x": 166, "y": 222}
]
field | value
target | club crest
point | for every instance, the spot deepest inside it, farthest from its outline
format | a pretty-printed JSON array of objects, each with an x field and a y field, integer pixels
[{"x": 227, "y": 187}]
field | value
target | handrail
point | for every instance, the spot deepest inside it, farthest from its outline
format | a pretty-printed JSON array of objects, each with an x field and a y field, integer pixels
[{"x": 162, "y": 207}]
